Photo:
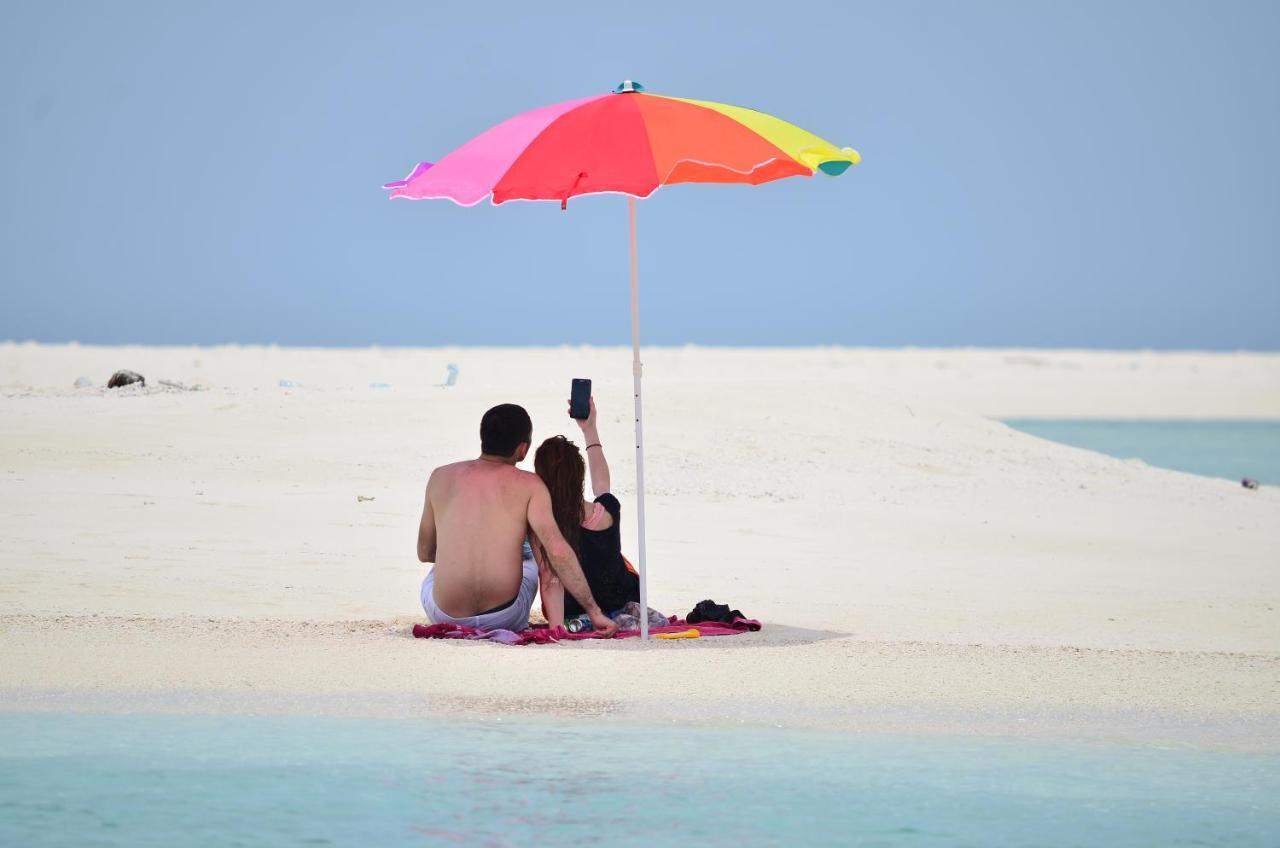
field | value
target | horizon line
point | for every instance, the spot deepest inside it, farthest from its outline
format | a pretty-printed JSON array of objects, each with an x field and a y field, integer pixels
[{"x": 627, "y": 347}]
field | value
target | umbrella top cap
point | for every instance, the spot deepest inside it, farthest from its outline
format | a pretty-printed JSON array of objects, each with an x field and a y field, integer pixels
[{"x": 628, "y": 87}]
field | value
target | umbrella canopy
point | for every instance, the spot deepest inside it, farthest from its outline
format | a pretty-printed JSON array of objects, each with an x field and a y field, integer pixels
[{"x": 629, "y": 142}]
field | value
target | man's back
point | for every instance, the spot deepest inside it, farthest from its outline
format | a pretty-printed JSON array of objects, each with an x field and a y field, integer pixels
[
  {"x": 475, "y": 517},
  {"x": 480, "y": 509}
]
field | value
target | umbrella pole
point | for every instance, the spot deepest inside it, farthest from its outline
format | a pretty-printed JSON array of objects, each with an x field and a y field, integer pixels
[{"x": 635, "y": 377}]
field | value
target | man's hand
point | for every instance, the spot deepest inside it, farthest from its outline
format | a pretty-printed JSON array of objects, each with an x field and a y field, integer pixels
[{"x": 602, "y": 624}]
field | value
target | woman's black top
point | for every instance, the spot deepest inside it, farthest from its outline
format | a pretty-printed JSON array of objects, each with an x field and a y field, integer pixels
[{"x": 600, "y": 553}]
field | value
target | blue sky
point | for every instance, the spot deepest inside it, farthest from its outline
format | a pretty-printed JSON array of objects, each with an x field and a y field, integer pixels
[{"x": 1046, "y": 174}]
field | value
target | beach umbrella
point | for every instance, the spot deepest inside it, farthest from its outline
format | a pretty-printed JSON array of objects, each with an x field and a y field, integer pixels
[{"x": 628, "y": 142}]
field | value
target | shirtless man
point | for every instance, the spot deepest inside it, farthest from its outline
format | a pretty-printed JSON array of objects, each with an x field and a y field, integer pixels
[{"x": 475, "y": 525}]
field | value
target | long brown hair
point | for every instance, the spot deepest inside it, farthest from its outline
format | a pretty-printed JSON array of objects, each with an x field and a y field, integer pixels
[{"x": 559, "y": 463}]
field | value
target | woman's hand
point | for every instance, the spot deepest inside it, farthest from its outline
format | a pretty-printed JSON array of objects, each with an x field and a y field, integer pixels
[{"x": 587, "y": 424}]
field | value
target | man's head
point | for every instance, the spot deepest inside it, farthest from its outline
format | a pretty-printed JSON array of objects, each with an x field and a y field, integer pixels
[{"x": 506, "y": 431}]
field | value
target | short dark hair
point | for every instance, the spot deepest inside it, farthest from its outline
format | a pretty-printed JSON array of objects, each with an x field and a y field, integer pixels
[{"x": 503, "y": 428}]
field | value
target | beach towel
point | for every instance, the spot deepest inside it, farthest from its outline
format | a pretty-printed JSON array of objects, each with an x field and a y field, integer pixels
[{"x": 546, "y": 635}]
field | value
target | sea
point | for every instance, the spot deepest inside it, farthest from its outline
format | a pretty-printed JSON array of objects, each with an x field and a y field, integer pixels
[
  {"x": 69, "y": 779},
  {"x": 90, "y": 779},
  {"x": 1233, "y": 450}
]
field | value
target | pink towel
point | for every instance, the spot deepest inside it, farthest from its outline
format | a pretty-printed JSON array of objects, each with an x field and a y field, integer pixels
[{"x": 546, "y": 635}]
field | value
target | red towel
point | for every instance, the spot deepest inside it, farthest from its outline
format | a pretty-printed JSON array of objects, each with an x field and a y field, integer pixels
[{"x": 546, "y": 635}]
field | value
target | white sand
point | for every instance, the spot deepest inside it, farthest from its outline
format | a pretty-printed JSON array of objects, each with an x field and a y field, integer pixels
[{"x": 916, "y": 564}]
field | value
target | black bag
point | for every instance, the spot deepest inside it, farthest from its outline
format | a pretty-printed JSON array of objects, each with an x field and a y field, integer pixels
[{"x": 711, "y": 611}]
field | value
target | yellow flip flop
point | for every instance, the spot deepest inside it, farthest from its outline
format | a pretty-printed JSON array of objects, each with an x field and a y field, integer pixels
[{"x": 691, "y": 633}]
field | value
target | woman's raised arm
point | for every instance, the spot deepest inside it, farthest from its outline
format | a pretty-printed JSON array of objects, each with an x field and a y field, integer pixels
[{"x": 597, "y": 465}]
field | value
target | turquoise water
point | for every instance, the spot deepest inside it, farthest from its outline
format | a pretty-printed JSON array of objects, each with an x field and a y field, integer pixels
[
  {"x": 146, "y": 780},
  {"x": 1230, "y": 449}
]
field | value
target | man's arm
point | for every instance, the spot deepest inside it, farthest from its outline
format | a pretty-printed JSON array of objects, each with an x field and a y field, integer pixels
[
  {"x": 563, "y": 560},
  {"x": 427, "y": 528}
]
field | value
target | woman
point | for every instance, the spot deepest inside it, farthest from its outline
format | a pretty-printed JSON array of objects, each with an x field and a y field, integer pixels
[{"x": 591, "y": 527}]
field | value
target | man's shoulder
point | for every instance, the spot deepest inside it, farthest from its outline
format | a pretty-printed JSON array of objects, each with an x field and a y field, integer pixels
[
  {"x": 525, "y": 482},
  {"x": 508, "y": 472},
  {"x": 454, "y": 467},
  {"x": 525, "y": 478},
  {"x": 444, "y": 472}
]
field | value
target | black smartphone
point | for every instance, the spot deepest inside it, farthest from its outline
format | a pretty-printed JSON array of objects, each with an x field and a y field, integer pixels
[{"x": 580, "y": 399}]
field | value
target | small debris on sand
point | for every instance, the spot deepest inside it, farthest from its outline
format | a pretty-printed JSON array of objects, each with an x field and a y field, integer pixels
[
  {"x": 451, "y": 376},
  {"x": 182, "y": 387},
  {"x": 125, "y": 378}
]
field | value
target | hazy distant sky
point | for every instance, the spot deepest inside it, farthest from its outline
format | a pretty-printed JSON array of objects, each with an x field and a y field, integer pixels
[{"x": 1034, "y": 173}]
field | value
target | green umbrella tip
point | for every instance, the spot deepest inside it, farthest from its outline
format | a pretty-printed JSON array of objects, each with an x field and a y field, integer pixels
[
  {"x": 836, "y": 167},
  {"x": 628, "y": 86}
]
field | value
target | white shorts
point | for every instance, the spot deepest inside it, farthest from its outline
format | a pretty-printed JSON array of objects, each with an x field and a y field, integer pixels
[{"x": 514, "y": 617}]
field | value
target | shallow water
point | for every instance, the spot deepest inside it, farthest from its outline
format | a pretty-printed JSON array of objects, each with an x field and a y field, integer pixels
[
  {"x": 1230, "y": 449},
  {"x": 139, "y": 780}
]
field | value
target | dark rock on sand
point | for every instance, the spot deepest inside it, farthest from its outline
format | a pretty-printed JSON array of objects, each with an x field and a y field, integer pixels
[
  {"x": 1249, "y": 483},
  {"x": 125, "y": 378}
]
